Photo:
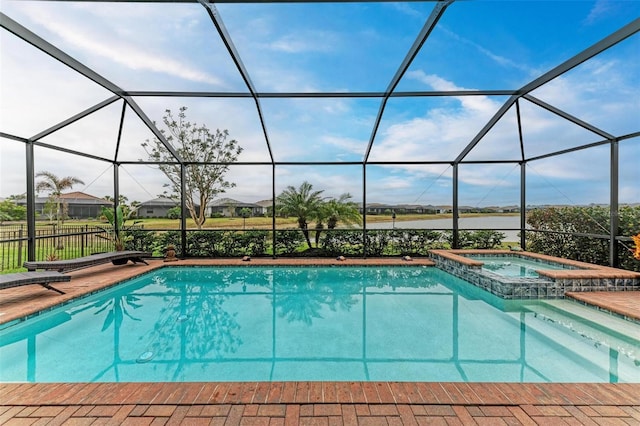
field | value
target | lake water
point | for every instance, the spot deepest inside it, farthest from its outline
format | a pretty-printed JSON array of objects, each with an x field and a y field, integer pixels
[{"x": 483, "y": 222}]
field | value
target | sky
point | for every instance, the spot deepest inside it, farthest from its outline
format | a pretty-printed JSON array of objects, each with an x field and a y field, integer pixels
[{"x": 332, "y": 47}]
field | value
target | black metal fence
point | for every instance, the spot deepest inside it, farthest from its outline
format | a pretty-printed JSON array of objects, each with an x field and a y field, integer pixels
[
  {"x": 52, "y": 243},
  {"x": 71, "y": 241}
]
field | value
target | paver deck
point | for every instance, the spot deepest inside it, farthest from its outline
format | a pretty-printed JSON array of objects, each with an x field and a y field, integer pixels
[{"x": 311, "y": 403}]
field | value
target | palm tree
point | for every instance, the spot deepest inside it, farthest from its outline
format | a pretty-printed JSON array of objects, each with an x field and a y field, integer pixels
[
  {"x": 337, "y": 210},
  {"x": 302, "y": 203},
  {"x": 55, "y": 185},
  {"x": 342, "y": 210}
]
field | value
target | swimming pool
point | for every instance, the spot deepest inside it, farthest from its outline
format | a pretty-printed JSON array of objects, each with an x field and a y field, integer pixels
[{"x": 322, "y": 323}]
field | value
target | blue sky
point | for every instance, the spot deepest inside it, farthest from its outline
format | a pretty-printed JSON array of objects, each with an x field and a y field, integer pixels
[{"x": 335, "y": 47}]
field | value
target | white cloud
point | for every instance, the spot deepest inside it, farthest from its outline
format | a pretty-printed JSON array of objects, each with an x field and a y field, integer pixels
[
  {"x": 305, "y": 42},
  {"x": 112, "y": 40},
  {"x": 393, "y": 183},
  {"x": 441, "y": 133},
  {"x": 346, "y": 144},
  {"x": 600, "y": 9},
  {"x": 482, "y": 105},
  {"x": 408, "y": 10},
  {"x": 604, "y": 92},
  {"x": 498, "y": 59},
  {"x": 29, "y": 101}
]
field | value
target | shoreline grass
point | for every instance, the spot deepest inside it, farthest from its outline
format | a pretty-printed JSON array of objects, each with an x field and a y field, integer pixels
[{"x": 259, "y": 222}]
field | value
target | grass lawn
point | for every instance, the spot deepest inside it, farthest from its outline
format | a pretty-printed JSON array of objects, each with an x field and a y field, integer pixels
[{"x": 266, "y": 222}]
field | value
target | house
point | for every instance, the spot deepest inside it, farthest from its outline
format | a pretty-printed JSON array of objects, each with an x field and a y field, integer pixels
[
  {"x": 387, "y": 209},
  {"x": 158, "y": 207},
  {"x": 228, "y": 207},
  {"x": 76, "y": 205},
  {"x": 378, "y": 208},
  {"x": 266, "y": 205},
  {"x": 509, "y": 209}
]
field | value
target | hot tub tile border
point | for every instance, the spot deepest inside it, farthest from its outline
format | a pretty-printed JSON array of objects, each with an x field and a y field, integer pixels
[{"x": 552, "y": 284}]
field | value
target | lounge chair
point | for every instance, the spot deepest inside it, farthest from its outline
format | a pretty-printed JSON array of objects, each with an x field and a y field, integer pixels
[
  {"x": 43, "y": 278},
  {"x": 116, "y": 257}
]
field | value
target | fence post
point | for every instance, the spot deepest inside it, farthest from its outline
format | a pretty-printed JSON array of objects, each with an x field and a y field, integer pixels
[
  {"x": 20, "y": 246},
  {"x": 84, "y": 240}
]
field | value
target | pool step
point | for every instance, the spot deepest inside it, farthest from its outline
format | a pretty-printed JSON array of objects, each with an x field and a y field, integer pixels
[
  {"x": 592, "y": 321},
  {"x": 595, "y": 340}
]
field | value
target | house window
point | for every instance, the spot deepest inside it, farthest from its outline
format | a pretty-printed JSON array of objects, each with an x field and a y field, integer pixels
[{"x": 149, "y": 211}]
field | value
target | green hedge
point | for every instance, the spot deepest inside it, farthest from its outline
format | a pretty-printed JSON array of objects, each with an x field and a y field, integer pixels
[
  {"x": 288, "y": 241},
  {"x": 218, "y": 243},
  {"x": 291, "y": 242},
  {"x": 583, "y": 220}
]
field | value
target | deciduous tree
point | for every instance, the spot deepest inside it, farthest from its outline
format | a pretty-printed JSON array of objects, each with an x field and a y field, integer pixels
[
  {"x": 208, "y": 155},
  {"x": 11, "y": 211}
]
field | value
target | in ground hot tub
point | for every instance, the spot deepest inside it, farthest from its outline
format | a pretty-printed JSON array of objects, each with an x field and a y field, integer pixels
[
  {"x": 524, "y": 275},
  {"x": 516, "y": 266}
]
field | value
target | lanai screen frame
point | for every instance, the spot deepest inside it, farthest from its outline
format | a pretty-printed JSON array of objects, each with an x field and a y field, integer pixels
[{"x": 439, "y": 9}]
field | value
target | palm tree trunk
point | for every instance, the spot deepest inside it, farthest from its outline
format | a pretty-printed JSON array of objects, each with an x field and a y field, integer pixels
[
  {"x": 319, "y": 228},
  {"x": 302, "y": 224}
]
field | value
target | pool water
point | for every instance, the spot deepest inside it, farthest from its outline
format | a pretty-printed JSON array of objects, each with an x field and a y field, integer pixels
[
  {"x": 181, "y": 324},
  {"x": 513, "y": 266}
]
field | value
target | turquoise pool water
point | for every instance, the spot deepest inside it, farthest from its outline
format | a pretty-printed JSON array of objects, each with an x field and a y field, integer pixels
[
  {"x": 318, "y": 323},
  {"x": 514, "y": 266}
]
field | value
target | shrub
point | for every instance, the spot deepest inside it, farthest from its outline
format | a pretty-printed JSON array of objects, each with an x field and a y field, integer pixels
[
  {"x": 480, "y": 239},
  {"x": 139, "y": 239},
  {"x": 174, "y": 213},
  {"x": 378, "y": 242},
  {"x": 342, "y": 242},
  {"x": 555, "y": 226},
  {"x": 11, "y": 211},
  {"x": 170, "y": 238},
  {"x": 486, "y": 239},
  {"x": 205, "y": 244},
  {"x": 287, "y": 241},
  {"x": 245, "y": 243},
  {"x": 416, "y": 241}
]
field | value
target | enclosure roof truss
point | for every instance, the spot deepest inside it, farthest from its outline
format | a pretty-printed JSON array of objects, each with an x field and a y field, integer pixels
[{"x": 127, "y": 96}]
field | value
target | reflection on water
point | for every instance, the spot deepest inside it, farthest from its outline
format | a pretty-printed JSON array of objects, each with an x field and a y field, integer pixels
[
  {"x": 250, "y": 323},
  {"x": 514, "y": 266},
  {"x": 507, "y": 269}
]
